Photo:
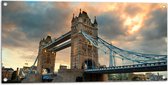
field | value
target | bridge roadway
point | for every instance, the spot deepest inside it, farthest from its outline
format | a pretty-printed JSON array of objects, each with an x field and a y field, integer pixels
[
  {"x": 59, "y": 40},
  {"x": 62, "y": 46},
  {"x": 159, "y": 66}
]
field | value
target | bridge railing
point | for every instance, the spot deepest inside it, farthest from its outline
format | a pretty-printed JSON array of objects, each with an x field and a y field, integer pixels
[{"x": 159, "y": 66}]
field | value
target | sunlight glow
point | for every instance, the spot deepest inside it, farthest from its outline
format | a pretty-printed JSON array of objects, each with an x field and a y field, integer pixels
[
  {"x": 134, "y": 24},
  {"x": 135, "y": 28}
]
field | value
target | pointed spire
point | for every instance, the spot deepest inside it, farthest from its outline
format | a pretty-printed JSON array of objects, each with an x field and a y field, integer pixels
[
  {"x": 95, "y": 21},
  {"x": 80, "y": 10},
  {"x": 80, "y": 14},
  {"x": 42, "y": 41}
]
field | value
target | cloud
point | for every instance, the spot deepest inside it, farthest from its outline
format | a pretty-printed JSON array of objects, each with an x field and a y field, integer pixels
[
  {"x": 132, "y": 9},
  {"x": 156, "y": 26},
  {"x": 156, "y": 46},
  {"x": 31, "y": 22},
  {"x": 154, "y": 32},
  {"x": 153, "y": 26},
  {"x": 110, "y": 25},
  {"x": 24, "y": 24},
  {"x": 36, "y": 21}
]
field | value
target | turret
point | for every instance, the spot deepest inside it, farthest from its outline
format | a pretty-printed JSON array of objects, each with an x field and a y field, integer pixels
[
  {"x": 42, "y": 42},
  {"x": 83, "y": 18},
  {"x": 48, "y": 39},
  {"x": 95, "y": 22},
  {"x": 84, "y": 14},
  {"x": 80, "y": 14}
]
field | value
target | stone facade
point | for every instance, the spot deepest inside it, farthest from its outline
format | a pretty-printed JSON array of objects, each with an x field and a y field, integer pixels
[
  {"x": 82, "y": 52},
  {"x": 46, "y": 58},
  {"x": 7, "y": 73},
  {"x": 68, "y": 75}
]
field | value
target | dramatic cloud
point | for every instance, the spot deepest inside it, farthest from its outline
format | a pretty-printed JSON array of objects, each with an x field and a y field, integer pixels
[
  {"x": 37, "y": 19},
  {"x": 110, "y": 25},
  {"x": 137, "y": 27},
  {"x": 156, "y": 26},
  {"x": 25, "y": 23},
  {"x": 155, "y": 32}
]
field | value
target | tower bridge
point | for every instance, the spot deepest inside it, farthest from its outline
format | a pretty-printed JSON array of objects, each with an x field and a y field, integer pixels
[{"x": 85, "y": 43}]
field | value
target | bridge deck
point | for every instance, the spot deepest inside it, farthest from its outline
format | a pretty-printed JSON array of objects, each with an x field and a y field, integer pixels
[
  {"x": 59, "y": 40},
  {"x": 62, "y": 46},
  {"x": 130, "y": 68}
]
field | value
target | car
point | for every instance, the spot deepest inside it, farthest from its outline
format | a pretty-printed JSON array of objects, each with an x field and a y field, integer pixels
[{"x": 47, "y": 77}]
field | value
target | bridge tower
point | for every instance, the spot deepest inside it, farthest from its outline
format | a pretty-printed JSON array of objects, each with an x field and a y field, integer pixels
[
  {"x": 83, "y": 54},
  {"x": 46, "y": 58}
]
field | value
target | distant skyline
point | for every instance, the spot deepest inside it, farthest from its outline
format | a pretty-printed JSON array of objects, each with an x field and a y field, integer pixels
[{"x": 137, "y": 27}]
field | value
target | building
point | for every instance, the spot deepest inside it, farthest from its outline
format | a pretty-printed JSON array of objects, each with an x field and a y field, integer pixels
[
  {"x": 127, "y": 77},
  {"x": 154, "y": 77},
  {"x": 122, "y": 76},
  {"x": 29, "y": 74},
  {"x": 46, "y": 58},
  {"x": 25, "y": 70},
  {"x": 138, "y": 77},
  {"x": 7, "y": 73},
  {"x": 83, "y": 54}
]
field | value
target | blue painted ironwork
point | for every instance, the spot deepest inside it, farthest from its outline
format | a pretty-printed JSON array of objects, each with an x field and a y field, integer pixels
[
  {"x": 157, "y": 66},
  {"x": 124, "y": 54}
]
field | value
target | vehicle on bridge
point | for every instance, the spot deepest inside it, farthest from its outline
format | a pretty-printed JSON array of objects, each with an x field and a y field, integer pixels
[{"x": 47, "y": 77}]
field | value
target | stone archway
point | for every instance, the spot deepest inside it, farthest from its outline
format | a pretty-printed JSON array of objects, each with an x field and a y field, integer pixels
[
  {"x": 46, "y": 71},
  {"x": 88, "y": 64}
]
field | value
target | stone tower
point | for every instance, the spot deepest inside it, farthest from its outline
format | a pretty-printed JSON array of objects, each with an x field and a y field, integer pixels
[
  {"x": 83, "y": 54},
  {"x": 46, "y": 58}
]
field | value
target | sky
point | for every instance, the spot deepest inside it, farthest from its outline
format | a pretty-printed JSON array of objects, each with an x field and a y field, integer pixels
[{"x": 139, "y": 27}]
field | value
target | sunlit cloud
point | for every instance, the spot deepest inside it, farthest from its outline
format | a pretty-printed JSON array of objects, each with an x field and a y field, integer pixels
[{"x": 139, "y": 27}]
